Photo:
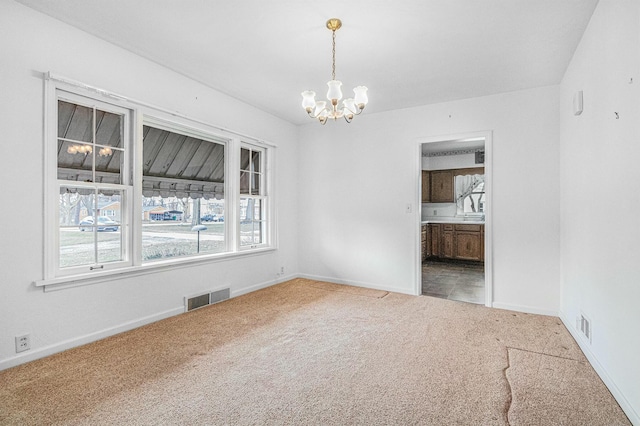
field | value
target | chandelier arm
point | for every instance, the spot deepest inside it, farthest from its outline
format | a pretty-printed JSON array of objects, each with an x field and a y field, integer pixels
[{"x": 312, "y": 115}]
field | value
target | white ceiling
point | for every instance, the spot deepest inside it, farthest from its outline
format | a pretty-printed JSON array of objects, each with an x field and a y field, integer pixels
[{"x": 408, "y": 52}]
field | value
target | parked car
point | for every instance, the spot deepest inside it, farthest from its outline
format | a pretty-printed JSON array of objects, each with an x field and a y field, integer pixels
[
  {"x": 104, "y": 224},
  {"x": 207, "y": 218}
]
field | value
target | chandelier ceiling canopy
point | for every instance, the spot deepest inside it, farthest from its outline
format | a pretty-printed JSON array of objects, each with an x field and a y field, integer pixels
[{"x": 349, "y": 107}]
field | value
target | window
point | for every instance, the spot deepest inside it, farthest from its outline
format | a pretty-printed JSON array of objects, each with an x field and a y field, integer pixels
[
  {"x": 470, "y": 197},
  {"x": 93, "y": 181},
  {"x": 121, "y": 197},
  {"x": 182, "y": 194},
  {"x": 252, "y": 197}
]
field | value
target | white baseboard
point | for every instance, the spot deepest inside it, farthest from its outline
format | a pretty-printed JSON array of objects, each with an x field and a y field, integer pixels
[
  {"x": 356, "y": 283},
  {"x": 88, "y": 338},
  {"x": 602, "y": 372},
  {"x": 525, "y": 309},
  {"x": 262, "y": 285}
]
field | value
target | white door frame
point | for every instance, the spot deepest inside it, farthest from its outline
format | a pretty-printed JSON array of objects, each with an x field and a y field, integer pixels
[{"x": 488, "y": 215}]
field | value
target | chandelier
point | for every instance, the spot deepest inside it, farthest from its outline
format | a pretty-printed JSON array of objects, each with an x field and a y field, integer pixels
[{"x": 349, "y": 108}]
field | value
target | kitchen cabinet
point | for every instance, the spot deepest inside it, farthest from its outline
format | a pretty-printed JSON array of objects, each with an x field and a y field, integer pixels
[
  {"x": 469, "y": 242},
  {"x": 442, "y": 186},
  {"x": 433, "y": 240},
  {"x": 426, "y": 186},
  {"x": 448, "y": 241},
  {"x": 438, "y": 186},
  {"x": 455, "y": 241},
  {"x": 424, "y": 251}
]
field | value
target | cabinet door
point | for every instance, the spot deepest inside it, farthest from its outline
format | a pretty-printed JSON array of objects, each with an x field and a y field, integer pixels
[
  {"x": 442, "y": 186},
  {"x": 426, "y": 187},
  {"x": 448, "y": 241},
  {"x": 468, "y": 245},
  {"x": 434, "y": 240},
  {"x": 423, "y": 246}
]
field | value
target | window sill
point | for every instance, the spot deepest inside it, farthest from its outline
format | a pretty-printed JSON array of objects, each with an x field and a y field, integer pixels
[{"x": 72, "y": 281}]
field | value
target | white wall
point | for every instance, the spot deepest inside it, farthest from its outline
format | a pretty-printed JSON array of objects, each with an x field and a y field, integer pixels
[
  {"x": 356, "y": 181},
  {"x": 599, "y": 157},
  {"x": 444, "y": 162},
  {"x": 30, "y": 44}
]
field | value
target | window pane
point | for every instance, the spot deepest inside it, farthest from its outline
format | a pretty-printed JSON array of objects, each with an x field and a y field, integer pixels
[
  {"x": 109, "y": 163},
  {"x": 109, "y": 242},
  {"x": 255, "y": 184},
  {"x": 244, "y": 182},
  {"x": 251, "y": 221},
  {"x": 255, "y": 161},
  {"x": 109, "y": 129},
  {"x": 90, "y": 223},
  {"x": 75, "y": 122},
  {"x": 257, "y": 232},
  {"x": 75, "y": 161},
  {"x": 257, "y": 209},
  {"x": 168, "y": 227},
  {"x": 76, "y": 248},
  {"x": 244, "y": 159}
]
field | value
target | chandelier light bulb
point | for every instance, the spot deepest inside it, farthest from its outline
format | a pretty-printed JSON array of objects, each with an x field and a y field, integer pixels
[
  {"x": 349, "y": 107},
  {"x": 334, "y": 94},
  {"x": 308, "y": 100},
  {"x": 361, "y": 98}
]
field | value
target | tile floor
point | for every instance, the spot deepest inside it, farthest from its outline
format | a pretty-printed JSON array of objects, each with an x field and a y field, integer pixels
[{"x": 455, "y": 281}]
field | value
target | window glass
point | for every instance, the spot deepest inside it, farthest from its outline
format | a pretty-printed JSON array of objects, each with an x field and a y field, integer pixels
[
  {"x": 251, "y": 221},
  {"x": 90, "y": 226},
  {"x": 183, "y": 205},
  {"x": 252, "y": 197},
  {"x": 90, "y": 144}
]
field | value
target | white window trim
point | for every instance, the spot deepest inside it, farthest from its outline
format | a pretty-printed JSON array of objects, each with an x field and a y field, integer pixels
[{"x": 142, "y": 113}]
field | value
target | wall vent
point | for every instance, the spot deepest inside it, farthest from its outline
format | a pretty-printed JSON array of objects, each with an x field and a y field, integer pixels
[
  {"x": 220, "y": 295},
  {"x": 585, "y": 326},
  {"x": 201, "y": 300}
]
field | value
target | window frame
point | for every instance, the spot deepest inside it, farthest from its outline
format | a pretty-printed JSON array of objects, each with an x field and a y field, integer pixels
[
  {"x": 141, "y": 114},
  {"x": 53, "y": 185},
  {"x": 263, "y": 196}
]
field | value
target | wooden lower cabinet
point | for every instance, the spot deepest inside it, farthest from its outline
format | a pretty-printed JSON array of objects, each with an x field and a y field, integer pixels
[
  {"x": 424, "y": 247},
  {"x": 468, "y": 246},
  {"x": 448, "y": 241},
  {"x": 456, "y": 241},
  {"x": 433, "y": 240}
]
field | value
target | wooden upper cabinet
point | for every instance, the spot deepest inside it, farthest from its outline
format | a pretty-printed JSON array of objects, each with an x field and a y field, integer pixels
[
  {"x": 426, "y": 186},
  {"x": 442, "y": 186}
]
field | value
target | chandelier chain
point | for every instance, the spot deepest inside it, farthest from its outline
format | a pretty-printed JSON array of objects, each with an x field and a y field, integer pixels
[{"x": 333, "y": 51}]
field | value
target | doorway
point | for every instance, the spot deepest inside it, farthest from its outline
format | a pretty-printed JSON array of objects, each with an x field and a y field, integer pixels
[{"x": 454, "y": 182}]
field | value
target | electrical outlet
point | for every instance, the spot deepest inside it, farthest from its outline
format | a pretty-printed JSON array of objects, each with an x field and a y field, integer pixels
[
  {"x": 435, "y": 212},
  {"x": 23, "y": 343},
  {"x": 282, "y": 270}
]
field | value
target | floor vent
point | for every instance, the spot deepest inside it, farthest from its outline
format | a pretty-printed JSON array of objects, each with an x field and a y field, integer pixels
[{"x": 196, "y": 302}]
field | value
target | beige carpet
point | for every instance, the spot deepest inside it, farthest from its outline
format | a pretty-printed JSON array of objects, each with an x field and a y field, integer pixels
[{"x": 306, "y": 352}]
